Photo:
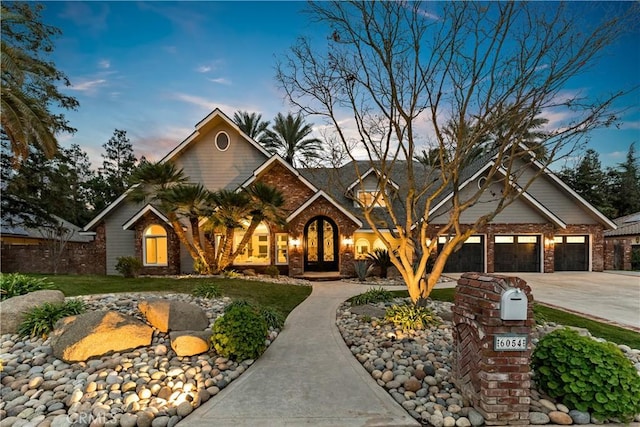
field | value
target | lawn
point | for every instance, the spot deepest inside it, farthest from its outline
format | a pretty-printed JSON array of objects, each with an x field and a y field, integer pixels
[
  {"x": 281, "y": 297},
  {"x": 598, "y": 329}
]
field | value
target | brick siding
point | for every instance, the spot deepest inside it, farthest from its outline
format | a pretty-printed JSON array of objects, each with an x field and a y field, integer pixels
[{"x": 173, "y": 246}]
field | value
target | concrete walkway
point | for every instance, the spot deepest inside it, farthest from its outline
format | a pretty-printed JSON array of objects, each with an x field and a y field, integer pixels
[{"x": 306, "y": 377}]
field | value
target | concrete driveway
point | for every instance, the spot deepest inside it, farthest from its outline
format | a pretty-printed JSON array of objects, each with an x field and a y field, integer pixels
[{"x": 614, "y": 296}]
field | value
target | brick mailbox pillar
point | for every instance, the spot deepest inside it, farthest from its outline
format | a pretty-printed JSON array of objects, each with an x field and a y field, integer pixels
[{"x": 491, "y": 366}]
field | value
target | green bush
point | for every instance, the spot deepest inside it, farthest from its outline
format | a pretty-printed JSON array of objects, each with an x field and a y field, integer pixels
[
  {"x": 381, "y": 258},
  {"x": 410, "y": 316},
  {"x": 373, "y": 295},
  {"x": 273, "y": 318},
  {"x": 39, "y": 321},
  {"x": 231, "y": 274},
  {"x": 272, "y": 271},
  {"x": 128, "y": 266},
  {"x": 362, "y": 269},
  {"x": 240, "y": 303},
  {"x": 239, "y": 333},
  {"x": 15, "y": 284},
  {"x": 206, "y": 290},
  {"x": 587, "y": 375}
]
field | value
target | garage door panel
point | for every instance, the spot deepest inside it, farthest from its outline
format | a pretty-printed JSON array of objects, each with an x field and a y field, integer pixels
[
  {"x": 571, "y": 253},
  {"x": 517, "y": 254},
  {"x": 470, "y": 256}
]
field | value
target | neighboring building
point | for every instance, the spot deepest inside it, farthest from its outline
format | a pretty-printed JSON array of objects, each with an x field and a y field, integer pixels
[
  {"x": 65, "y": 249},
  {"x": 622, "y": 245},
  {"x": 549, "y": 228}
]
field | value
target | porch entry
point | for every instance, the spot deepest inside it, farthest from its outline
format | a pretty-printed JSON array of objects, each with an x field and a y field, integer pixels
[{"x": 321, "y": 245}]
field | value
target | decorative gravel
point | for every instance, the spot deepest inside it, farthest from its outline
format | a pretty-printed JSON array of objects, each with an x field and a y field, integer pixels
[
  {"x": 146, "y": 387},
  {"x": 415, "y": 368}
]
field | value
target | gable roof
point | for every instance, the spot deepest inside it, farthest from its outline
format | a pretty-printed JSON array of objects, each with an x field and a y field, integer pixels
[
  {"x": 315, "y": 197},
  {"x": 627, "y": 226},
  {"x": 269, "y": 163},
  {"x": 147, "y": 208},
  {"x": 366, "y": 174},
  {"x": 215, "y": 115}
]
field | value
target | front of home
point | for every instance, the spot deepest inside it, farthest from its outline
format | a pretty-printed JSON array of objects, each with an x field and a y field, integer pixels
[{"x": 549, "y": 228}]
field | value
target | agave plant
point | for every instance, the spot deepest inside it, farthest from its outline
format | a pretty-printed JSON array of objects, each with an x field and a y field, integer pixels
[{"x": 380, "y": 257}]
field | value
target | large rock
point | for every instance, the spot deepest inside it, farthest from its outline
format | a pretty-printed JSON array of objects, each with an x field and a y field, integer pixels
[
  {"x": 78, "y": 338},
  {"x": 190, "y": 343},
  {"x": 170, "y": 315},
  {"x": 14, "y": 309}
]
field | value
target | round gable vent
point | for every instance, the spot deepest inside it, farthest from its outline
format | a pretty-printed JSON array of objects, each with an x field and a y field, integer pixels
[{"x": 222, "y": 141}]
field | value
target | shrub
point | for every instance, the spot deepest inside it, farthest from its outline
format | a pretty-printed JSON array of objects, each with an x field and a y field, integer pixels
[
  {"x": 15, "y": 284},
  {"x": 239, "y": 334},
  {"x": 40, "y": 321},
  {"x": 231, "y": 274},
  {"x": 362, "y": 269},
  {"x": 206, "y": 290},
  {"x": 273, "y": 318},
  {"x": 128, "y": 266},
  {"x": 239, "y": 303},
  {"x": 410, "y": 316},
  {"x": 373, "y": 295},
  {"x": 272, "y": 271},
  {"x": 381, "y": 258},
  {"x": 587, "y": 375}
]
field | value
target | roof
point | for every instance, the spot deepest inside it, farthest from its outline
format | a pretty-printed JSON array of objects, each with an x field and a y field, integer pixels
[
  {"x": 628, "y": 225},
  {"x": 17, "y": 230}
]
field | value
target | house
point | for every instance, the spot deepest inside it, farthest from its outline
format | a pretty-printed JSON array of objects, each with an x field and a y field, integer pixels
[
  {"x": 622, "y": 245},
  {"x": 63, "y": 248},
  {"x": 549, "y": 228}
]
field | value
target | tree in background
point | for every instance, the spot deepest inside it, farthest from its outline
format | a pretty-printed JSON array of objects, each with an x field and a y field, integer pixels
[
  {"x": 625, "y": 185},
  {"x": 394, "y": 73},
  {"x": 119, "y": 162},
  {"x": 288, "y": 137},
  {"x": 590, "y": 182},
  {"x": 251, "y": 124},
  {"x": 30, "y": 83}
]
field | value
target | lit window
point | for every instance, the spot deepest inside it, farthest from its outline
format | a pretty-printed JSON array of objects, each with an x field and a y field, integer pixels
[
  {"x": 368, "y": 198},
  {"x": 256, "y": 252},
  {"x": 155, "y": 246},
  {"x": 377, "y": 244},
  {"x": 527, "y": 239},
  {"x": 576, "y": 239},
  {"x": 282, "y": 248},
  {"x": 362, "y": 248},
  {"x": 503, "y": 239}
]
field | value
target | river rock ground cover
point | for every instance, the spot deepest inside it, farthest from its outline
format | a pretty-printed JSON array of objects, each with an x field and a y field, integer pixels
[{"x": 415, "y": 368}]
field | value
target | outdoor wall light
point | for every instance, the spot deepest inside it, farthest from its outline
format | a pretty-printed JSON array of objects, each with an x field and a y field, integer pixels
[
  {"x": 549, "y": 242},
  {"x": 348, "y": 241},
  {"x": 295, "y": 242}
]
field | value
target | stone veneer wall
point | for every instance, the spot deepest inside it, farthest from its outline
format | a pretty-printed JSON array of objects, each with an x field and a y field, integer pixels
[
  {"x": 497, "y": 383},
  {"x": 173, "y": 246}
]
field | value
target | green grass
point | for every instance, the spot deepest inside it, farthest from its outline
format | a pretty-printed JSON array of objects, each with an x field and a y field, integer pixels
[
  {"x": 280, "y": 297},
  {"x": 598, "y": 329}
]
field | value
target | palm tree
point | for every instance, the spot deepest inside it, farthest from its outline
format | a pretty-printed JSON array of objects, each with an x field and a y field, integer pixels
[
  {"x": 251, "y": 124},
  {"x": 287, "y": 138},
  {"x": 231, "y": 210},
  {"x": 30, "y": 83}
]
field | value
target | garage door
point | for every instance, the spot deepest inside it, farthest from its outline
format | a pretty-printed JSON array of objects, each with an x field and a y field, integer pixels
[
  {"x": 469, "y": 257},
  {"x": 571, "y": 253},
  {"x": 517, "y": 253}
]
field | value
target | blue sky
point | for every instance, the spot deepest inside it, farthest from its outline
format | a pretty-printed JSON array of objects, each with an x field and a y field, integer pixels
[{"x": 155, "y": 69}]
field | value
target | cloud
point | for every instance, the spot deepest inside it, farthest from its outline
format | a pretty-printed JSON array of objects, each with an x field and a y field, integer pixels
[
  {"x": 194, "y": 100},
  {"x": 104, "y": 64},
  {"x": 155, "y": 146},
  {"x": 88, "y": 86},
  {"x": 203, "y": 69},
  {"x": 221, "y": 80}
]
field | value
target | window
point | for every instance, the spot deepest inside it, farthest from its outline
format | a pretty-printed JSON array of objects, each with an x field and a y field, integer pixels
[
  {"x": 377, "y": 244},
  {"x": 503, "y": 239},
  {"x": 362, "y": 248},
  {"x": 155, "y": 246},
  {"x": 368, "y": 198},
  {"x": 282, "y": 248},
  {"x": 222, "y": 141},
  {"x": 257, "y": 250}
]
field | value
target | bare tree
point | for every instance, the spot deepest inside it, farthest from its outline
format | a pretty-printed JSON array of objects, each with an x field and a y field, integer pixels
[
  {"x": 56, "y": 236},
  {"x": 396, "y": 75}
]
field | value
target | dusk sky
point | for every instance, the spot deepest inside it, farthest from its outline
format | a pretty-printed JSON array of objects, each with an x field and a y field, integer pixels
[{"x": 155, "y": 69}]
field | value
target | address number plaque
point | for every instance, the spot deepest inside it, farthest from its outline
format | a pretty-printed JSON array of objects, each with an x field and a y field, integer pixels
[{"x": 510, "y": 342}]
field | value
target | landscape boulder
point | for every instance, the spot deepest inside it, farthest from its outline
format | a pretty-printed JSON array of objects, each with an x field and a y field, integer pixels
[
  {"x": 189, "y": 343},
  {"x": 14, "y": 309},
  {"x": 78, "y": 338},
  {"x": 170, "y": 315}
]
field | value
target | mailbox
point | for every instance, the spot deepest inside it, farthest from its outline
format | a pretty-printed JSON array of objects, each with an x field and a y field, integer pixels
[{"x": 513, "y": 305}]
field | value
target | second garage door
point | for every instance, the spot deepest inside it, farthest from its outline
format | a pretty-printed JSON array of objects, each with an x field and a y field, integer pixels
[
  {"x": 571, "y": 253},
  {"x": 517, "y": 254},
  {"x": 470, "y": 256}
]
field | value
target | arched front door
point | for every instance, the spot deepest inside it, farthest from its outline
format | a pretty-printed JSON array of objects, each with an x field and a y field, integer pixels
[{"x": 321, "y": 245}]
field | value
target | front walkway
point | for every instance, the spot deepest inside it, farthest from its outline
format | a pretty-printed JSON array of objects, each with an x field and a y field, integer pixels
[{"x": 306, "y": 377}]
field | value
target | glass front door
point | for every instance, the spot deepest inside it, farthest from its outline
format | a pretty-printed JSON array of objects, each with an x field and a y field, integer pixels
[{"x": 321, "y": 245}]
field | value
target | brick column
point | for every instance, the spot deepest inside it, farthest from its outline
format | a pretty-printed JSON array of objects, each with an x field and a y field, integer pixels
[{"x": 497, "y": 383}]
